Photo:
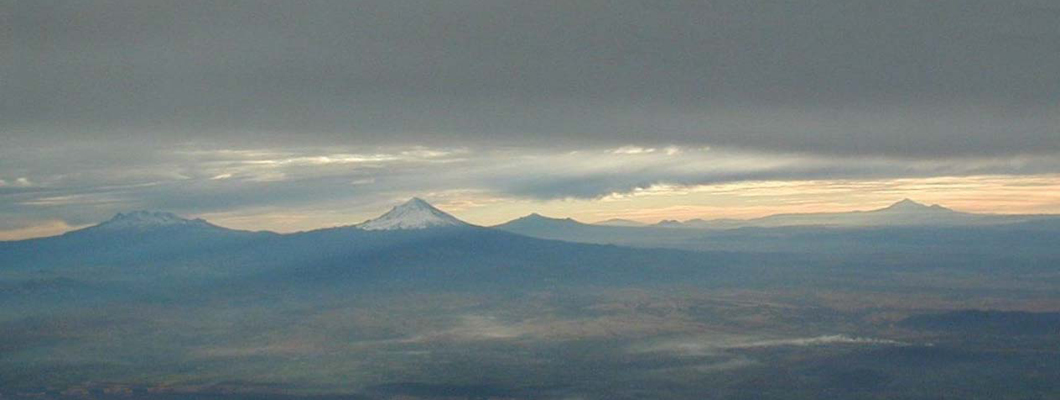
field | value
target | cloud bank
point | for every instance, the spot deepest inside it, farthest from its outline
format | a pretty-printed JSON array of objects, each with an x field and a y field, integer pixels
[
  {"x": 901, "y": 79},
  {"x": 332, "y": 109}
]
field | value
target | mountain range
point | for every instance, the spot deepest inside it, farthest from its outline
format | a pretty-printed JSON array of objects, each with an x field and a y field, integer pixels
[
  {"x": 905, "y": 212},
  {"x": 417, "y": 244},
  {"x": 905, "y": 226},
  {"x": 413, "y": 244}
]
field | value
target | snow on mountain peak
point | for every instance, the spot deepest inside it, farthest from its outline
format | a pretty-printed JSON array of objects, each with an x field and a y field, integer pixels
[
  {"x": 148, "y": 219},
  {"x": 413, "y": 214}
]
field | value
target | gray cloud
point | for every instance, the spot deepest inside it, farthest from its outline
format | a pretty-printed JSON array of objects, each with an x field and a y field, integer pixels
[
  {"x": 905, "y": 79},
  {"x": 202, "y": 106}
]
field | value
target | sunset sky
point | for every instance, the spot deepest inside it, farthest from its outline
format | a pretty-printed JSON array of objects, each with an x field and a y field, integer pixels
[{"x": 290, "y": 116}]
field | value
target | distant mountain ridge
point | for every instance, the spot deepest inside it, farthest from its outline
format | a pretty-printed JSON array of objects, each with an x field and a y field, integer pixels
[
  {"x": 905, "y": 212},
  {"x": 903, "y": 225},
  {"x": 412, "y": 244},
  {"x": 416, "y": 214},
  {"x": 538, "y": 220},
  {"x": 419, "y": 245},
  {"x": 908, "y": 205},
  {"x": 619, "y": 222}
]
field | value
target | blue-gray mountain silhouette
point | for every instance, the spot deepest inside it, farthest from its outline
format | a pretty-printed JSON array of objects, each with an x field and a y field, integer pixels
[{"x": 414, "y": 243}]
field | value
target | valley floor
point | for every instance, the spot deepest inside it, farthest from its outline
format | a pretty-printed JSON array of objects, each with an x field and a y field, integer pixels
[{"x": 842, "y": 337}]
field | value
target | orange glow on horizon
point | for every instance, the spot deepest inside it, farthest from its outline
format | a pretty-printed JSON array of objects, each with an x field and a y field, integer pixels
[{"x": 998, "y": 194}]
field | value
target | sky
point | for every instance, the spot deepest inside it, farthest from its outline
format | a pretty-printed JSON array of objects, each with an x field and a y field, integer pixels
[{"x": 290, "y": 116}]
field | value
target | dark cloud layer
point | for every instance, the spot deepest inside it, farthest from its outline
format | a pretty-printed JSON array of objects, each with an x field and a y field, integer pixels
[
  {"x": 231, "y": 106},
  {"x": 907, "y": 79}
]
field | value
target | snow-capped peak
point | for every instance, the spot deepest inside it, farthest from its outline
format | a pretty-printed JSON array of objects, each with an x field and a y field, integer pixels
[
  {"x": 414, "y": 214},
  {"x": 148, "y": 219}
]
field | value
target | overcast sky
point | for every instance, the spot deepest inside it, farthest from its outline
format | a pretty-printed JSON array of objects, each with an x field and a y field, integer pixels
[{"x": 288, "y": 115}]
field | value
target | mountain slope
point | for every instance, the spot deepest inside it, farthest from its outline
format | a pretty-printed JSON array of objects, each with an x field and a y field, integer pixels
[
  {"x": 566, "y": 229},
  {"x": 474, "y": 257},
  {"x": 138, "y": 238},
  {"x": 457, "y": 254}
]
